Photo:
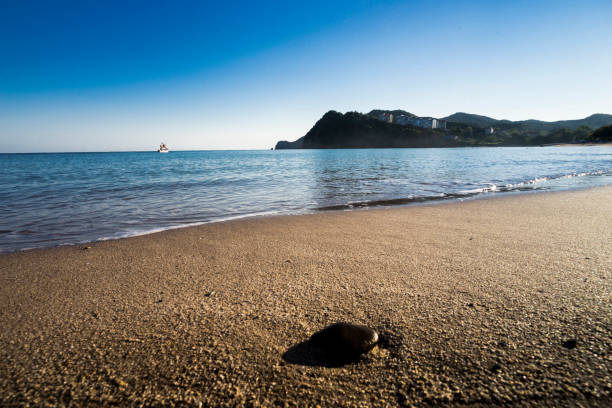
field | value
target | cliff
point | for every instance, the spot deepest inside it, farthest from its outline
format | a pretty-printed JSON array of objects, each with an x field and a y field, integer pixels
[{"x": 355, "y": 130}]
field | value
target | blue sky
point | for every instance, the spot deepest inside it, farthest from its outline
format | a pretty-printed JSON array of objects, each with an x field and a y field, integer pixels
[{"x": 125, "y": 75}]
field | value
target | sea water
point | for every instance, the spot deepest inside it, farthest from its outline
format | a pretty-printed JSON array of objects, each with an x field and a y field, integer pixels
[{"x": 67, "y": 198}]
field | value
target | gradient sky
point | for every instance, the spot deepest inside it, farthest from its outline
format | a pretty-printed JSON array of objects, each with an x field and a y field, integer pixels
[{"x": 125, "y": 75}]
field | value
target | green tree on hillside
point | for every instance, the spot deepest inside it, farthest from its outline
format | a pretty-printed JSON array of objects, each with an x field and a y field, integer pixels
[{"x": 602, "y": 135}]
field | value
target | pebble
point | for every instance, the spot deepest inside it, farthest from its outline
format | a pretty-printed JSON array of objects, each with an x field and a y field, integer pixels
[{"x": 345, "y": 340}]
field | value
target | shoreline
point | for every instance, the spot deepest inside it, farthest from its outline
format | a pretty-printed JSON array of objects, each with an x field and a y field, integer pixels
[
  {"x": 474, "y": 301},
  {"x": 586, "y": 144},
  {"x": 397, "y": 203}
]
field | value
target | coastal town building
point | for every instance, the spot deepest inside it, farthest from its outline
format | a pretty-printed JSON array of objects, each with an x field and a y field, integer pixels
[
  {"x": 385, "y": 117},
  {"x": 430, "y": 123},
  {"x": 403, "y": 120},
  {"x": 489, "y": 131}
]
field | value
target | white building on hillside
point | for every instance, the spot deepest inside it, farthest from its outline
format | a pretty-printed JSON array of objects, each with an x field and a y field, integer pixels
[
  {"x": 403, "y": 120},
  {"x": 429, "y": 123},
  {"x": 439, "y": 124},
  {"x": 386, "y": 117}
]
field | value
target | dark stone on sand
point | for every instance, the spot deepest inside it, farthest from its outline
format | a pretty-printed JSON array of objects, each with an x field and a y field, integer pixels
[
  {"x": 496, "y": 367},
  {"x": 502, "y": 344},
  {"x": 344, "y": 341},
  {"x": 570, "y": 344}
]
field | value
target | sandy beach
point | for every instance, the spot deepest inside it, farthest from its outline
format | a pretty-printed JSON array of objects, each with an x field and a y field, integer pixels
[{"x": 477, "y": 302}]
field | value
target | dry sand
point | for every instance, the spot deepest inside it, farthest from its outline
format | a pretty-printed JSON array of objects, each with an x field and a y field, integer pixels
[{"x": 474, "y": 301}]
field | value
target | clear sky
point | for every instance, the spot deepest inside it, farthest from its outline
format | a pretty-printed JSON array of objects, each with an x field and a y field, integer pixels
[{"x": 109, "y": 75}]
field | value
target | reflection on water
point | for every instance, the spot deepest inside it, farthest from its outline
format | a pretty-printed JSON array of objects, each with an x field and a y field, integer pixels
[{"x": 52, "y": 199}]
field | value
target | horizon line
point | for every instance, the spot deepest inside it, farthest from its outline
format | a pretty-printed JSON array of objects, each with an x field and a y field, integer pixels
[{"x": 137, "y": 151}]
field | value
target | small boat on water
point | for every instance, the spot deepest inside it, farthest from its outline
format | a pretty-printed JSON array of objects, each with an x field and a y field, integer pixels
[{"x": 163, "y": 148}]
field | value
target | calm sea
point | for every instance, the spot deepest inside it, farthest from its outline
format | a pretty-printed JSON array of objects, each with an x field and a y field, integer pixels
[{"x": 55, "y": 199}]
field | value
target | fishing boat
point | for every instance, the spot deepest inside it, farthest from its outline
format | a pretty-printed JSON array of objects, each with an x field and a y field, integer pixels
[{"x": 163, "y": 148}]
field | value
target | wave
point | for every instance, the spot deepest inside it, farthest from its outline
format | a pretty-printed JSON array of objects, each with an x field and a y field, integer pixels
[
  {"x": 140, "y": 232},
  {"x": 527, "y": 185},
  {"x": 21, "y": 236}
]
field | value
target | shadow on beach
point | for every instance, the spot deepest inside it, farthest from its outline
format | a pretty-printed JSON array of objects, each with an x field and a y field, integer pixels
[{"x": 306, "y": 355}]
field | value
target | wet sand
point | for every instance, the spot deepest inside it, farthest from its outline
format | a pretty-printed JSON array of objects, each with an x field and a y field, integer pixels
[{"x": 477, "y": 302}]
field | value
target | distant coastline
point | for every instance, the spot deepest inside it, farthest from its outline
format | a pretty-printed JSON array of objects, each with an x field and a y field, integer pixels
[{"x": 398, "y": 128}]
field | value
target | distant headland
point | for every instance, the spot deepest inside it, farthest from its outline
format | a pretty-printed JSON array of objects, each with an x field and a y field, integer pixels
[{"x": 398, "y": 128}]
